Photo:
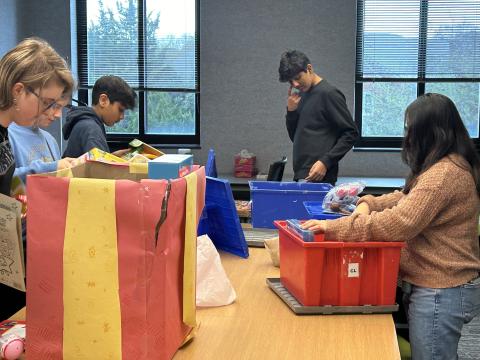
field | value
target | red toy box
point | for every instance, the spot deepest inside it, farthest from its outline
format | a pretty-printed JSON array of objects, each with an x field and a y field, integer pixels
[{"x": 338, "y": 273}]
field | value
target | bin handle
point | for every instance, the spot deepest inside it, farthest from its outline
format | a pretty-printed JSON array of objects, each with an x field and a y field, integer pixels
[{"x": 163, "y": 211}]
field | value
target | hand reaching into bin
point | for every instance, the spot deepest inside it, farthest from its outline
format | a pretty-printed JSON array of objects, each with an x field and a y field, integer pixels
[{"x": 318, "y": 226}]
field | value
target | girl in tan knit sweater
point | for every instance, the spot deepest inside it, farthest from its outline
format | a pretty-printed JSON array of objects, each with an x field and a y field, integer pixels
[{"x": 436, "y": 214}]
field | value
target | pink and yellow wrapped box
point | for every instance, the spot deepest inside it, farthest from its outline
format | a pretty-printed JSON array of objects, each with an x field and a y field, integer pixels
[{"x": 110, "y": 275}]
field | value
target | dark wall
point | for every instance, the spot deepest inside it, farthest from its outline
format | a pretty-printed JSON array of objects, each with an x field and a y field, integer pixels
[{"x": 242, "y": 102}]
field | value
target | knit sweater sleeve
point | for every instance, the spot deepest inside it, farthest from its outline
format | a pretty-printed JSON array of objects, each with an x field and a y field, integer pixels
[
  {"x": 403, "y": 221},
  {"x": 379, "y": 203}
]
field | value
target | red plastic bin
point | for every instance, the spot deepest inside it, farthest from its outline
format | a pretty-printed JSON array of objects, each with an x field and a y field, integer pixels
[{"x": 338, "y": 273}]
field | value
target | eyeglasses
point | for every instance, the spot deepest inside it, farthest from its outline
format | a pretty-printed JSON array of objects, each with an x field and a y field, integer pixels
[{"x": 47, "y": 105}]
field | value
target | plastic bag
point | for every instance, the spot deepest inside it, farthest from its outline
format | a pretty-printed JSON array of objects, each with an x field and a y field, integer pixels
[
  {"x": 213, "y": 286},
  {"x": 342, "y": 199},
  {"x": 272, "y": 246}
]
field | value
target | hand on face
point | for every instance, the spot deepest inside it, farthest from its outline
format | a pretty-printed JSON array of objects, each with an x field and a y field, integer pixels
[
  {"x": 293, "y": 99},
  {"x": 317, "y": 172}
]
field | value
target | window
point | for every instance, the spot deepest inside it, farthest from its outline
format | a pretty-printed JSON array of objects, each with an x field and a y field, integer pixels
[
  {"x": 406, "y": 48},
  {"x": 153, "y": 45}
]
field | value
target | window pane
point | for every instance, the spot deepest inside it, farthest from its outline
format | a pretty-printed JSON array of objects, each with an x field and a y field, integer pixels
[
  {"x": 383, "y": 108},
  {"x": 112, "y": 38},
  {"x": 390, "y": 41},
  {"x": 453, "y": 34},
  {"x": 466, "y": 97},
  {"x": 171, "y": 44},
  {"x": 170, "y": 113},
  {"x": 128, "y": 125}
]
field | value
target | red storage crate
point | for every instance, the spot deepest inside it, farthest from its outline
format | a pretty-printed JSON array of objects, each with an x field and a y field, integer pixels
[{"x": 338, "y": 273}]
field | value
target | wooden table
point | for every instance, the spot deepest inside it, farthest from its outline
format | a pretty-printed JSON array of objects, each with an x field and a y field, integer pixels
[{"x": 260, "y": 326}]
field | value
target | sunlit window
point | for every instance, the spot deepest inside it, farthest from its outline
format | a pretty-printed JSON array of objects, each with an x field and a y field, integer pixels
[
  {"x": 406, "y": 48},
  {"x": 153, "y": 45}
]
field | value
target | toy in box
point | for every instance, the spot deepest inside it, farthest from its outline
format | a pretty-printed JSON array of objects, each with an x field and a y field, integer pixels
[
  {"x": 139, "y": 151},
  {"x": 170, "y": 166}
]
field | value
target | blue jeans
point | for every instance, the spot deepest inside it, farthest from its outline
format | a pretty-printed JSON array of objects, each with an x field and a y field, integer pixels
[{"x": 436, "y": 318}]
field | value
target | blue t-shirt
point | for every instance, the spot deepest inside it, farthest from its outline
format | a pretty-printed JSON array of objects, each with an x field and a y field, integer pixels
[{"x": 35, "y": 150}]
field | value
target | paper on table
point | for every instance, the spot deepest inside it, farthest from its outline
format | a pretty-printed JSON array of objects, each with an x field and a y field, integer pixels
[{"x": 12, "y": 267}]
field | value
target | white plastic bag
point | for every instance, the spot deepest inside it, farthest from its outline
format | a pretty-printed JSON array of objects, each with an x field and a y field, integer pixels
[{"x": 213, "y": 286}]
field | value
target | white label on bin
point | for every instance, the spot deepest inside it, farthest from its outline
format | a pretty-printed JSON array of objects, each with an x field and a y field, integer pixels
[{"x": 353, "y": 270}]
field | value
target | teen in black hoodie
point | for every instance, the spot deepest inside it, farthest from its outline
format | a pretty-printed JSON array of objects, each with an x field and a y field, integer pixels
[{"x": 85, "y": 126}]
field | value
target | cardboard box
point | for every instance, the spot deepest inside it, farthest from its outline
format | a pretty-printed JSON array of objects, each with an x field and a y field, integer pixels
[{"x": 170, "y": 166}]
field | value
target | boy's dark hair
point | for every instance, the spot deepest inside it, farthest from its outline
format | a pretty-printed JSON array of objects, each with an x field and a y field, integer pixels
[
  {"x": 292, "y": 62},
  {"x": 434, "y": 129},
  {"x": 116, "y": 89}
]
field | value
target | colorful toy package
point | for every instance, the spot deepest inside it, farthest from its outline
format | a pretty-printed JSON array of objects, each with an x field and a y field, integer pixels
[
  {"x": 100, "y": 155},
  {"x": 342, "y": 199}
]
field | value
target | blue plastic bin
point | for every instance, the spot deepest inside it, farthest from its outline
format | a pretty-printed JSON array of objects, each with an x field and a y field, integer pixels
[
  {"x": 315, "y": 211},
  {"x": 274, "y": 200},
  {"x": 219, "y": 218}
]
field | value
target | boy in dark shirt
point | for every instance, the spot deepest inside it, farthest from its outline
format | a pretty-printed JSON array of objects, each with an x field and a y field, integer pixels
[
  {"x": 85, "y": 126},
  {"x": 318, "y": 120}
]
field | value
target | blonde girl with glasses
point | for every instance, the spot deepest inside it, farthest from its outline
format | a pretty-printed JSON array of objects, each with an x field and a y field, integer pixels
[{"x": 33, "y": 79}]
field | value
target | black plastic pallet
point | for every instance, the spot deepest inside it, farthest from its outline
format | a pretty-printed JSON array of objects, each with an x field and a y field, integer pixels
[
  {"x": 299, "y": 309},
  {"x": 255, "y": 237}
]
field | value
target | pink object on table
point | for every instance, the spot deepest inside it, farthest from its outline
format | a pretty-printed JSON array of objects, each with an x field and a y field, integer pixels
[{"x": 11, "y": 347}]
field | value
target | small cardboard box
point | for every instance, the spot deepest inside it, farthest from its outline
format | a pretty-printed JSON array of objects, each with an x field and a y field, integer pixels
[{"x": 170, "y": 166}]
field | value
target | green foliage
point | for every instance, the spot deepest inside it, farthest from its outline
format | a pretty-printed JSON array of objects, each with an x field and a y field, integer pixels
[
  {"x": 171, "y": 113},
  {"x": 384, "y": 103},
  {"x": 169, "y": 64}
]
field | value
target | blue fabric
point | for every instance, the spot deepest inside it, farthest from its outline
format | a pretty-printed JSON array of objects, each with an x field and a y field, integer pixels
[
  {"x": 436, "y": 318},
  {"x": 35, "y": 150}
]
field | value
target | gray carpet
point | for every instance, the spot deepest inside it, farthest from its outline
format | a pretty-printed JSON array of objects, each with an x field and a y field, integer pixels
[{"x": 469, "y": 346}]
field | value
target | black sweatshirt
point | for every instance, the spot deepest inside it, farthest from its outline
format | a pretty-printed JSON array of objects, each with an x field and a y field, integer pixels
[
  {"x": 7, "y": 162},
  {"x": 84, "y": 130},
  {"x": 321, "y": 128}
]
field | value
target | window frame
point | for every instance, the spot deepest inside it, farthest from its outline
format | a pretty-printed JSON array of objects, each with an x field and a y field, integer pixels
[
  {"x": 394, "y": 143},
  {"x": 117, "y": 141}
]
